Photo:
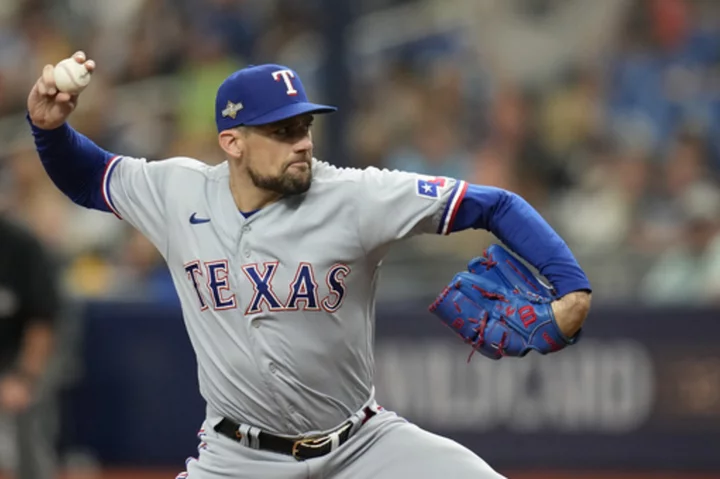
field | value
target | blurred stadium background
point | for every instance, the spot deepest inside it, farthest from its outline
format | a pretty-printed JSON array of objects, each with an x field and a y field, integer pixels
[{"x": 604, "y": 114}]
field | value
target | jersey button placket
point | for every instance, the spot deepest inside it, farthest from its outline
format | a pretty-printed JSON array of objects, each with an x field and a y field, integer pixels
[{"x": 242, "y": 244}]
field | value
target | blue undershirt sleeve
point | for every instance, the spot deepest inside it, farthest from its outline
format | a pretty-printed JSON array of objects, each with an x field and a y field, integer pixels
[
  {"x": 517, "y": 224},
  {"x": 74, "y": 163}
]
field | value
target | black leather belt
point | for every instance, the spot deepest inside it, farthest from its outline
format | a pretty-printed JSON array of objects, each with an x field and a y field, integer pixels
[{"x": 301, "y": 449}]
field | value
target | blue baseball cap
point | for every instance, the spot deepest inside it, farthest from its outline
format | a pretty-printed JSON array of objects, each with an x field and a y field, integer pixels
[{"x": 262, "y": 94}]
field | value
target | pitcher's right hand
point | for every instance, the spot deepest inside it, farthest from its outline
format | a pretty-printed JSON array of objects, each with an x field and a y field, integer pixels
[{"x": 49, "y": 108}]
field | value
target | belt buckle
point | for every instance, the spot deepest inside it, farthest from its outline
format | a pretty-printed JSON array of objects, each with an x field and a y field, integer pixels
[{"x": 312, "y": 443}]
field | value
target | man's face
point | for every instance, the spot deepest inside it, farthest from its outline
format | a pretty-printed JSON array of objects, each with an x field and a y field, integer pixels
[{"x": 278, "y": 155}]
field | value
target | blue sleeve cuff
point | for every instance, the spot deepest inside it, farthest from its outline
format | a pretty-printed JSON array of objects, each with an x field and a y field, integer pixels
[
  {"x": 452, "y": 207},
  {"x": 107, "y": 175}
]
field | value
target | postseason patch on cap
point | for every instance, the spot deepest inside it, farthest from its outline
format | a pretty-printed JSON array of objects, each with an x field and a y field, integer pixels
[
  {"x": 429, "y": 187},
  {"x": 231, "y": 109}
]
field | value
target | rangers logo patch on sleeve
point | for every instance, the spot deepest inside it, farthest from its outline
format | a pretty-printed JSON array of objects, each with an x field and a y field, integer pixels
[{"x": 429, "y": 187}]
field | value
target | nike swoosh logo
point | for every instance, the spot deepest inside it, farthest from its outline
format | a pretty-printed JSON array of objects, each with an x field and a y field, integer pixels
[{"x": 194, "y": 220}]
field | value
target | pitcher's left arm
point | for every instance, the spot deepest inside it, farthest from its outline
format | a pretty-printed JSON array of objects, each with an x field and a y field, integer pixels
[{"x": 498, "y": 305}]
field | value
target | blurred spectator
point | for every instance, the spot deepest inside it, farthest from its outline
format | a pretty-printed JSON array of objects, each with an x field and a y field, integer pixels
[
  {"x": 290, "y": 24},
  {"x": 661, "y": 216},
  {"x": 377, "y": 129},
  {"x": 434, "y": 149},
  {"x": 29, "y": 306},
  {"x": 154, "y": 45},
  {"x": 689, "y": 272},
  {"x": 660, "y": 74},
  {"x": 26, "y": 45},
  {"x": 206, "y": 66},
  {"x": 512, "y": 155},
  {"x": 143, "y": 275},
  {"x": 596, "y": 215},
  {"x": 572, "y": 112},
  {"x": 233, "y": 22}
]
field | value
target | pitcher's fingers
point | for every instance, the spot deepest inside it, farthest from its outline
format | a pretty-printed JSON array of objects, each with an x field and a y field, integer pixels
[
  {"x": 90, "y": 65},
  {"x": 63, "y": 97},
  {"x": 48, "y": 78},
  {"x": 40, "y": 87},
  {"x": 79, "y": 56}
]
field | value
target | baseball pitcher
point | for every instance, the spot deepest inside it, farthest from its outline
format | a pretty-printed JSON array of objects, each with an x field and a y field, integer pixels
[{"x": 275, "y": 257}]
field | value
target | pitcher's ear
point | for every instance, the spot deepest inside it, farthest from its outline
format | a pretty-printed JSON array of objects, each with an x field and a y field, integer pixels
[{"x": 232, "y": 142}]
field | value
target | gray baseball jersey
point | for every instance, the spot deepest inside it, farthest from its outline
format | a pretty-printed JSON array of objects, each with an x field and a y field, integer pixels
[{"x": 279, "y": 306}]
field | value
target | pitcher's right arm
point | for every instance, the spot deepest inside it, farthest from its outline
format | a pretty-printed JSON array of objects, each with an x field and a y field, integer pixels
[{"x": 133, "y": 189}]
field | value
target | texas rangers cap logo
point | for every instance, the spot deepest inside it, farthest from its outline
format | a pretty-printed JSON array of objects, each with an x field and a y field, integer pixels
[
  {"x": 260, "y": 95},
  {"x": 231, "y": 109}
]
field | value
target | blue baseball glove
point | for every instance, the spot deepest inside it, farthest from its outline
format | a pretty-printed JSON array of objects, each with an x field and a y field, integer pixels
[{"x": 500, "y": 308}]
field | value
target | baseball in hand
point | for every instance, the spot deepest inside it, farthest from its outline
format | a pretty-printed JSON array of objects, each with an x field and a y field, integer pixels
[{"x": 71, "y": 77}]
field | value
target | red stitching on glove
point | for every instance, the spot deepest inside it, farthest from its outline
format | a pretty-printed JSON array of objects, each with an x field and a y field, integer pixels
[
  {"x": 530, "y": 283},
  {"x": 457, "y": 307},
  {"x": 480, "y": 329},
  {"x": 436, "y": 303},
  {"x": 487, "y": 261},
  {"x": 503, "y": 344},
  {"x": 489, "y": 294}
]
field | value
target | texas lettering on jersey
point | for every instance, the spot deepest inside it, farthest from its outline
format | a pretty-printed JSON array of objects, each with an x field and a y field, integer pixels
[{"x": 210, "y": 279}]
